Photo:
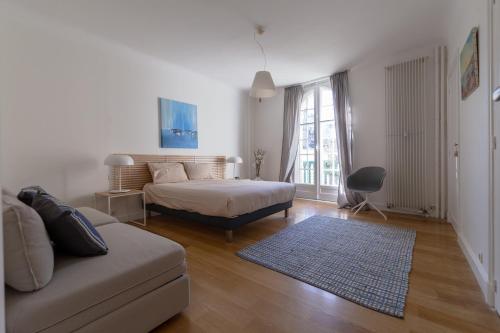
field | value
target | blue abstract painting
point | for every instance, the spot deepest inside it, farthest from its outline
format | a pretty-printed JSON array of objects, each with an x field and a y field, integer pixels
[{"x": 178, "y": 124}]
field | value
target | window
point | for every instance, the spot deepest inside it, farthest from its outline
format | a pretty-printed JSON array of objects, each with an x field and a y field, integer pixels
[
  {"x": 307, "y": 141},
  {"x": 317, "y": 142}
]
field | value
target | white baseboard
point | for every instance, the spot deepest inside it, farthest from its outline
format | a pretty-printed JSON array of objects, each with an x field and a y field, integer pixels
[
  {"x": 453, "y": 223},
  {"x": 383, "y": 207},
  {"x": 477, "y": 268}
]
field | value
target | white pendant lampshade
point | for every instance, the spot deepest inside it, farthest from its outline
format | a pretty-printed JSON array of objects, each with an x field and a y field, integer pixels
[{"x": 263, "y": 85}]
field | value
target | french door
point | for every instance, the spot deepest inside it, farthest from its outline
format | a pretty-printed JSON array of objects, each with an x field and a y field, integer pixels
[
  {"x": 496, "y": 154},
  {"x": 316, "y": 167}
]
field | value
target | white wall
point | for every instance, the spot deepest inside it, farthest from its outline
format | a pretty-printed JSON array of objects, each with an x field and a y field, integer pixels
[
  {"x": 268, "y": 132},
  {"x": 367, "y": 86},
  {"x": 71, "y": 99},
  {"x": 474, "y": 206}
]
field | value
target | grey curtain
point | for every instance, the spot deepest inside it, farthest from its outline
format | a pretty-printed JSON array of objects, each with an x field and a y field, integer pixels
[
  {"x": 342, "y": 111},
  {"x": 290, "y": 144}
]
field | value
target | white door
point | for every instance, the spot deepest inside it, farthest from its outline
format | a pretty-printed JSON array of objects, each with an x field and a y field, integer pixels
[
  {"x": 453, "y": 142},
  {"x": 496, "y": 160}
]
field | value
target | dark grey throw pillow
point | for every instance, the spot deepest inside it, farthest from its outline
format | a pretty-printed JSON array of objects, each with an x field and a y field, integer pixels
[
  {"x": 27, "y": 194},
  {"x": 70, "y": 231}
]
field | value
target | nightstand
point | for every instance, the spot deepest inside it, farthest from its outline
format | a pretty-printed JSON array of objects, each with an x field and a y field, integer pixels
[{"x": 109, "y": 196}]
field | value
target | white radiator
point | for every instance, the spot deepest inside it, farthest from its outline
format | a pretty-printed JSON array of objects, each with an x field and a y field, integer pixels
[{"x": 408, "y": 133}]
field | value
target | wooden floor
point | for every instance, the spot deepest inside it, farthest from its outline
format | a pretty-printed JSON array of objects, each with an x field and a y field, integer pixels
[{"x": 229, "y": 294}]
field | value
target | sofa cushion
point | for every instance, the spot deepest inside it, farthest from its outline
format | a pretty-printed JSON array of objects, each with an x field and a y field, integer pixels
[
  {"x": 29, "y": 258},
  {"x": 75, "y": 235},
  {"x": 27, "y": 194},
  {"x": 96, "y": 217},
  {"x": 69, "y": 229},
  {"x": 50, "y": 208},
  {"x": 84, "y": 289}
]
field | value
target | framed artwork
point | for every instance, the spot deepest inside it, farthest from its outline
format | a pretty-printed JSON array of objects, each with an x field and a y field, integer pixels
[
  {"x": 178, "y": 124},
  {"x": 469, "y": 64}
]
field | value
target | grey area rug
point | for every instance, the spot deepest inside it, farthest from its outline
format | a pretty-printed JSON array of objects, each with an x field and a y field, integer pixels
[{"x": 362, "y": 262}]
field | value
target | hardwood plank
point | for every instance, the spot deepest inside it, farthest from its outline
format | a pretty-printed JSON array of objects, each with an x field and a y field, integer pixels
[{"x": 229, "y": 294}]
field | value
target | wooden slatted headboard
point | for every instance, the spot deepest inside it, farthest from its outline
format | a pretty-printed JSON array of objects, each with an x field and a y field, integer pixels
[{"x": 134, "y": 177}]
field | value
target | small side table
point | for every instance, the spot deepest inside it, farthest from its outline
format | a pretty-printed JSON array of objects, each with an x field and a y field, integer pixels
[{"x": 110, "y": 196}]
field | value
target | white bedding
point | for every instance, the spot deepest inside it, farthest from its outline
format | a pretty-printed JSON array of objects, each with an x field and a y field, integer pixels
[{"x": 219, "y": 197}]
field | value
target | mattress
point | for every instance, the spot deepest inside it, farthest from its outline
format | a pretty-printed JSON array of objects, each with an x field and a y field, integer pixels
[{"x": 219, "y": 197}]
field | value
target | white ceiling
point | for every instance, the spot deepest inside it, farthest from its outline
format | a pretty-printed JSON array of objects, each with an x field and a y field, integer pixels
[{"x": 304, "y": 39}]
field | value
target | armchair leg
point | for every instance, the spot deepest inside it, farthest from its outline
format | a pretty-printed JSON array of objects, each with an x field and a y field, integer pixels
[
  {"x": 361, "y": 205},
  {"x": 354, "y": 208},
  {"x": 365, "y": 202},
  {"x": 378, "y": 210},
  {"x": 286, "y": 213}
]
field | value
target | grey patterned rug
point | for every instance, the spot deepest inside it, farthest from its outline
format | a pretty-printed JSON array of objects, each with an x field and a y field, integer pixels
[{"x": 362, "y": 262}]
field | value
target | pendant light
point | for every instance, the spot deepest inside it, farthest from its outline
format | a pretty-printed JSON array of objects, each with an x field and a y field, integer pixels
[{"x": 263, "y": 85}]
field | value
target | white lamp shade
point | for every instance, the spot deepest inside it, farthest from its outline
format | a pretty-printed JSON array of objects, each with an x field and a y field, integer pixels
[
  {"x": 263, "y": 85},
  {"x": 118, "y": 160},
  {"x": 234, "y": 159}
]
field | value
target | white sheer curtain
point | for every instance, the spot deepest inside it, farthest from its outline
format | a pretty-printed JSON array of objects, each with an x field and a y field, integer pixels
[
  {"x": 290, "y": 144},
  {"x": 343, "y": 128}
]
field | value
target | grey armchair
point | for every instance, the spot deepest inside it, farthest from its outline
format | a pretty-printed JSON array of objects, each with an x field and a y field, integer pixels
[{"x": 365, "y": 181}]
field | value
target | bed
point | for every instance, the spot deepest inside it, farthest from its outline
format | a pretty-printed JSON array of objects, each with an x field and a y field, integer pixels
[{"x": 224, "y": 203}]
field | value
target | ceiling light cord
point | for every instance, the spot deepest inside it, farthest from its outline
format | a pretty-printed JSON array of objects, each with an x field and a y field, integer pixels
[{"x": 261, "y": 49}]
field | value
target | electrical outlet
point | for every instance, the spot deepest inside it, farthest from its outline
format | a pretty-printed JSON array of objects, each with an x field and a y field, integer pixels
[{"x": 480, "y": 258}]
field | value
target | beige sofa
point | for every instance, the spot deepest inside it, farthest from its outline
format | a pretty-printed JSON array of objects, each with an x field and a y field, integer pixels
[{"x": 138, "y": 285}]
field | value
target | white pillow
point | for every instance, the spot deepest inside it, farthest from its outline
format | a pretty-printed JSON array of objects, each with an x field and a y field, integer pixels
[
  {"x": 28, "y": 254},
  {"x": 198, "y": 171},
  {"x": 167, "y": 173}
]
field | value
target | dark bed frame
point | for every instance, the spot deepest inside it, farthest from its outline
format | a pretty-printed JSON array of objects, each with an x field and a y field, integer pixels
[{"x": 226, "y": 223}]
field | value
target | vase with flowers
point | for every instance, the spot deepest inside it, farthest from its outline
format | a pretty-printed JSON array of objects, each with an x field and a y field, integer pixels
[{"x": 259, "y": 159}]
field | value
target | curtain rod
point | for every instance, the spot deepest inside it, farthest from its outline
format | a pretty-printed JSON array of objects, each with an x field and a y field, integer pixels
[{"x": 324, "y": 78}]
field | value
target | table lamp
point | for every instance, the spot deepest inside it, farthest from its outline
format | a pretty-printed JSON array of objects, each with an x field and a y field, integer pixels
[
  {"x": 235, "y": 160},
  {"x": 115, "y": 160}
]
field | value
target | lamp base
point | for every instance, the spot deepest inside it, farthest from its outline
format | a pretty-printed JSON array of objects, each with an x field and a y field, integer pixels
[{"x": 119, "y": 191}]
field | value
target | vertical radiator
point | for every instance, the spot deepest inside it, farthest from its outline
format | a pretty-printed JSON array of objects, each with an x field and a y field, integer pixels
[{"x": 408, "y": 171}]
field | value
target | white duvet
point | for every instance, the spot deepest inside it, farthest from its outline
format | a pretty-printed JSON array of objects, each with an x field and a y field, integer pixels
[{"x": 219, "y": 197}]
